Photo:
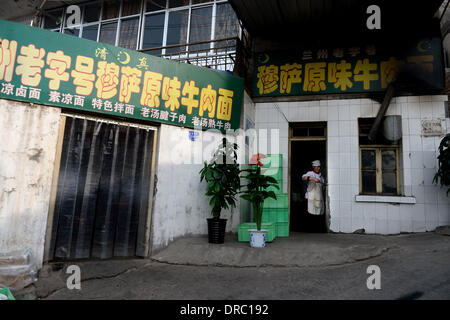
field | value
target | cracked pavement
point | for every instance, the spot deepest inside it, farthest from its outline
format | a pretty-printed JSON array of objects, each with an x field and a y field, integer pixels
[{"x": 303, "y": 266}]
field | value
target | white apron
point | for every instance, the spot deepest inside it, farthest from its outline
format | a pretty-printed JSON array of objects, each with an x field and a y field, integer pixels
[{"x": 315, "y": 198}]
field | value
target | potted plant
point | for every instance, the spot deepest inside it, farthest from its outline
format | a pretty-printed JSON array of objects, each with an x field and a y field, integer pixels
[
  {"x": 255, "y": 192},
  {"x": 222, "y": 176},
  {"x": 443, "y": 173}
]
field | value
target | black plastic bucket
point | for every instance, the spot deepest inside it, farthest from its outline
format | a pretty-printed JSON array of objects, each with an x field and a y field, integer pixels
[{"x": 216, "y": 230}]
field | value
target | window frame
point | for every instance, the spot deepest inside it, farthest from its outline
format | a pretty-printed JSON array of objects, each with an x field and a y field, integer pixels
[
  {"x": 142, "y": 15},
  {"x": 379, "y": 170}
]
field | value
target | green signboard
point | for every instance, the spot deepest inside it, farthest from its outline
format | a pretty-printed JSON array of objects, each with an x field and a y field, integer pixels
[
  {"x": 345, "y": 70},
  {"x": 54, "y": 69}
]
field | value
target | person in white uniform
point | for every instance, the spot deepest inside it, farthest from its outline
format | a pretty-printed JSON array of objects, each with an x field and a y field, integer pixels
[{"x": 314, "y": 192}]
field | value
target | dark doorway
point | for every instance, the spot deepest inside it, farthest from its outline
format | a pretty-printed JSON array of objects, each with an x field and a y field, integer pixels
[
  {"x": 102, "y": 198},
  {"x": 303, "y": 152}
]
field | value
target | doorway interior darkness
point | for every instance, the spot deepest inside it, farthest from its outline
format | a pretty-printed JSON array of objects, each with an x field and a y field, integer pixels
[{"x": 307, "y": 143}]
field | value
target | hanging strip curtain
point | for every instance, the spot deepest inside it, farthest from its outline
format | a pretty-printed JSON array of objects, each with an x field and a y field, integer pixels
[{"x": 103, "y": 191}]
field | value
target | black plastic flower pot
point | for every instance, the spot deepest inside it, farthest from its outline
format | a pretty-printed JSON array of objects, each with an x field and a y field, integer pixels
[{"x": 216, "y": 230}]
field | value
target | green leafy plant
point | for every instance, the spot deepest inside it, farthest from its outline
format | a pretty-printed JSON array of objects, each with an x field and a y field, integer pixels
[
  {"x": 443, "y": 173},
  {"x": 255, "y": 190},
  {"x": 222, "y": 176}
]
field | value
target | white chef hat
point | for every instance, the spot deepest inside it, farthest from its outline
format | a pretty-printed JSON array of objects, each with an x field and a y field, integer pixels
[{"x": 316, "y": 163}]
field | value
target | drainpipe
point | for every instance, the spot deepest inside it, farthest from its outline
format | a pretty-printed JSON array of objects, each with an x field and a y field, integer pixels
[
  {"x": 382, "y": 111},
  {"x": 35, "y": 21}
]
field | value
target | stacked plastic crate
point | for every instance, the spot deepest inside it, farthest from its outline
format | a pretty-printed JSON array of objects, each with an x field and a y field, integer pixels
[{"x": 276, "y": 211}]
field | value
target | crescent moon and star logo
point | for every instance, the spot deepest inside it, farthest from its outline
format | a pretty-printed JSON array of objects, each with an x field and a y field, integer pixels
[
  {"x": 423, "y": 46},
  {"x": 122, "y": 55},
  {"x": 263, "y": 58}
]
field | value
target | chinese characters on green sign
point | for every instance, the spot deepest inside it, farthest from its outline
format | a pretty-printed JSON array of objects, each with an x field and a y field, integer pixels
[
  {"x": 60, "y": 70},
  {"x": 342, "y": 70}
]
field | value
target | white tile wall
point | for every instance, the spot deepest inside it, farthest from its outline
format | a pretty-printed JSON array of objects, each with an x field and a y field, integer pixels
[{"x": 419, "y": 162}]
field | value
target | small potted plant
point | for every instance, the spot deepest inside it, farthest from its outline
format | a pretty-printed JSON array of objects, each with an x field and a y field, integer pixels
[
  {"x": 222, "y": 176},
  {"x": 255, "y": 192}
]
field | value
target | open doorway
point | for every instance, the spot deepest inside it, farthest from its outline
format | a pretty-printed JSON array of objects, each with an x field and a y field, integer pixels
[{"x": 307, "y": 143}]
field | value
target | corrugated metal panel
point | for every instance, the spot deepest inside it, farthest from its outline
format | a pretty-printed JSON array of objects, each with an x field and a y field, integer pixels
[{"x": 27, "y": 145}]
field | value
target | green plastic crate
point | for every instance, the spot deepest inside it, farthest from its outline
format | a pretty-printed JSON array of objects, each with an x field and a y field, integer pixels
[
  {"x": 244, "y": 235},
  {"x": 282, "y": 229},
  {"x": 7, "y": 293},
  {"x": 281, "y": 202},
  {"x": 272, "y": 160},
  {"x": 275, "y": 215}
]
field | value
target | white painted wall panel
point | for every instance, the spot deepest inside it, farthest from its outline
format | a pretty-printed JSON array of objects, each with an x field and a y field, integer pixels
[{"x": 27, "y": 148}]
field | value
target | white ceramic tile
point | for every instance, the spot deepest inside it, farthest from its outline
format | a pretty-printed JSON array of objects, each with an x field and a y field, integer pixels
[
  {"x": 344, "y": 112},
  {"x": 404, "y": 109},
  {"x": 333, "y": 144},
  {"x": 415, "y": 143},
  {"x": 418, "y": 226},
  {"x": 323, "y": 113},
  {"x": 381, "y": 211},
  {"x": 345, "y": 177},
  {"x": 393, "y": 227},
  {"x": 334, "y": 224},
  {"x": 345, "y": 209},
  {"x": 418, "y": 212},
  {"x": 354, "y": 160},
  {"x": 414, "y": 110},
  {"x": 345, "y": 225},
  {"x": 333, "y": 112},
  {"x": 401, "y": 99},
  {"x": 405, "y": 143},
  {"x": 406, "y": 225},
  {"x": 323, "y": 102},
  {"x": 333, "y": 103},
  {"x": 353, "y": 128},
  {"x": 428, "y": 176},
  {"x": 333, "y": 160},
  {"x": 333, "y": 128},
  {"x": 333, "y": 176},
  {"x": 345, "y": 193},
  {"x": 416, "y": 160},
  {"x": 355, "y": 179},
  {"x": 428, "y": 144},
  {"x": 426, "y": 110},
  {"x": 303, "y": 114},
  {"x": 417, "y": 177},
  {"x": 381, "y": 226},
  {"x": 438, "y": 110},
  {"x": 419, "y": 193},
  {"x": 355, "y": 111},
  {"x": 430, "y": 195},
  {"x": 344, "y": 144},
  {"x": 366, "y": 110},
  {"x": 443, "y": 214},
  {"x": 369, "y": 211},
  {"x": 357, "y": 223},
  {"x": 344, "y": 128},
  {"x": 424, "y": 98},
  {"x": 354, "y": 144},
  {"x": 413, "y": 99},
  {"x": 369, "y": 225},
  {"x": 415, "y": 127},
  {"x": 344, "y": 160},
  {"x": 407, "y": 176},
  {"x": 406, "y": 189},
  {"x": 439, "y": 98}
]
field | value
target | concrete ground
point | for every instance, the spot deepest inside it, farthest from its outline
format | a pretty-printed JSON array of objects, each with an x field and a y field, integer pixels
[{"x": 303, "y": 266}]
